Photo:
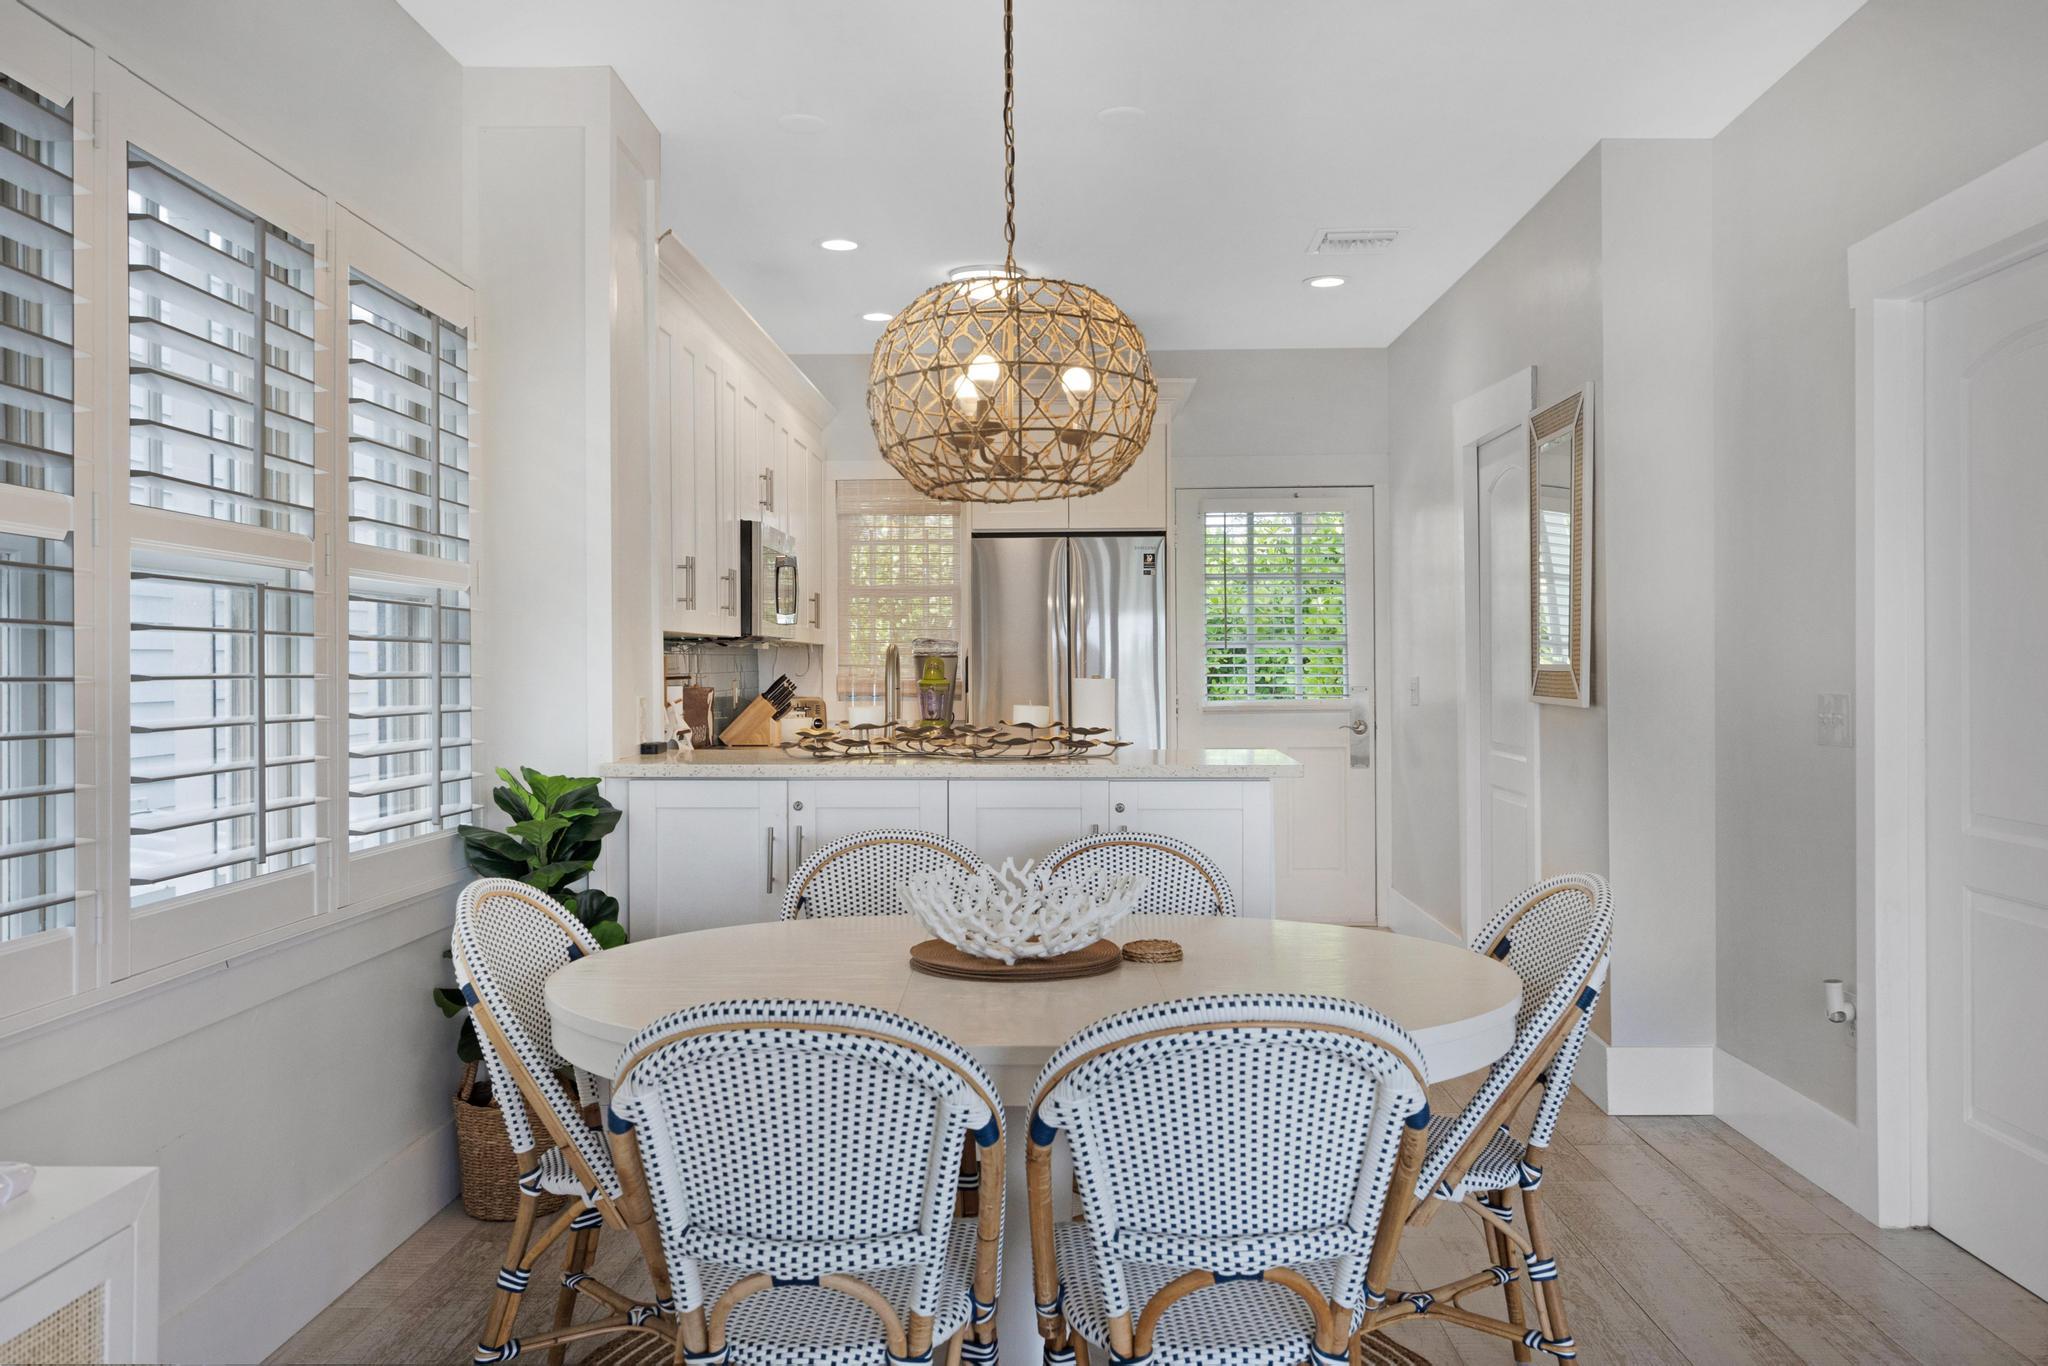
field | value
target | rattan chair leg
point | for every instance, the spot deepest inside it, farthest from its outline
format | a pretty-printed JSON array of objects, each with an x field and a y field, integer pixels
[
  {"x": 1503, "y": 1254},
  {"x": 582, "y": 1249},
  {"x": 504, "y": 1309},
  {"x": 953, "y": 1347},
  {"x": 1549, "y": 1295}
]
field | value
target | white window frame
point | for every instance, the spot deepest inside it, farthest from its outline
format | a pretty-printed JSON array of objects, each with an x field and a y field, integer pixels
[
  {"x": 46, "y": 970},
  {"x": 203, "y": 923},
  {"x": 425, "y": 862},
  {"x": 110, "y": 953}
]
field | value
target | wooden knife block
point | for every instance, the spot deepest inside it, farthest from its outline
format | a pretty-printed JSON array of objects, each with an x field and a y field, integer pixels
[{"x": 754, "y": 725}]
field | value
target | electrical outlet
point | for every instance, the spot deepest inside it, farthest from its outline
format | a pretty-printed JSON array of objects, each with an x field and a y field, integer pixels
[
  {"x": 1415, "y": 690},
  {"x": 1834, "y": 721}
]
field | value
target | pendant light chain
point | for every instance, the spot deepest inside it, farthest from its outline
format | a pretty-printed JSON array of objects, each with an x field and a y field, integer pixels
[
  {"x": 1012, "y": 389},
  {"x": 1009, "y": 142}
]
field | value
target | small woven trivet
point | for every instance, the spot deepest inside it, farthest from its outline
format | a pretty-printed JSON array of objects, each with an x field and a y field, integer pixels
[{"x": 1152, "y": 951}]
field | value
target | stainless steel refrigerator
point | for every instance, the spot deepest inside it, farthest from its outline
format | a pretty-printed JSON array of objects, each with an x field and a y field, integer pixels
[{"x": 1050, "y": 609}]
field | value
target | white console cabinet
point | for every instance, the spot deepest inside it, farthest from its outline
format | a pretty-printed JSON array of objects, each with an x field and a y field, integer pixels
[{"x": 78, "y": 1267}]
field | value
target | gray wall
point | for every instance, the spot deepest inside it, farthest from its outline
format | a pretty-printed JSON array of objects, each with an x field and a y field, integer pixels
[
  {"x": 352, "y": 96},
  {"x": 1533, "y": 300},
  {"x": 1906, "y": 101}
]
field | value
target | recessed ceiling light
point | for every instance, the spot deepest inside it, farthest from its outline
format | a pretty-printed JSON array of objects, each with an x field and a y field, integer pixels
[
  {"x": 801, "y": 123},
  {"x": 876, "y": 317},
  {"x": 1323, "y": 281},
  {"x": 839, "y": 244},
  {"x": 1121, "y": 114}
]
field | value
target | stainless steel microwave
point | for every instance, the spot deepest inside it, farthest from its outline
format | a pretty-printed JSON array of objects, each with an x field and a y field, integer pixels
[{"x": 769, "y": 588}]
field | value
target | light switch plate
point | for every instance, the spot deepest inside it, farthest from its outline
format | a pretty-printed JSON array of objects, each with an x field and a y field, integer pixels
[{"x": 1835, "y": 723}]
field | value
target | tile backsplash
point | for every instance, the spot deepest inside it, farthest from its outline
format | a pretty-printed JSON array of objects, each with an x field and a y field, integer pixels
[{"x": 745, "y": 667}]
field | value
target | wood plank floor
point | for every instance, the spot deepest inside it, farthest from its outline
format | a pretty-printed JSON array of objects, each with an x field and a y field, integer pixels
[{"x": 1680, "y": 1241}]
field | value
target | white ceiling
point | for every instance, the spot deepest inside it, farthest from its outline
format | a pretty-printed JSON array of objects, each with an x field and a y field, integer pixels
[{"x": 1264, "y": 122}]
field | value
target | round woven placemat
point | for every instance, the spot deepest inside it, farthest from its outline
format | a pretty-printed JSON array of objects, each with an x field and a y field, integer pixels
[{"x": 1152, "y": 951}]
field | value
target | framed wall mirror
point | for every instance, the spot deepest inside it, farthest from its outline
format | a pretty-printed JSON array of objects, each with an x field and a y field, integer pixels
[{"x": 1561, "y": 551}]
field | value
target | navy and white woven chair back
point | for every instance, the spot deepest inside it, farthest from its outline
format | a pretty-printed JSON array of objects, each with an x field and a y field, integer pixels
[
  {"x": 1555, "y": 935},
  {"x": 859, "y": 875},
  {"x": 1233, "y": 1134},
  {"x": 1180, "y": 879},
  {"x": 508, "y": 939},
  {"x": 802, "y": 1138}
]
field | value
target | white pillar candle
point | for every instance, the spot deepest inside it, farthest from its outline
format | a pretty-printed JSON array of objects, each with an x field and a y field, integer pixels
[
  {"x": 864, "y": 714},
  {"x": 1094, "y": 704},
  {"x": 1025, "y": 714}
]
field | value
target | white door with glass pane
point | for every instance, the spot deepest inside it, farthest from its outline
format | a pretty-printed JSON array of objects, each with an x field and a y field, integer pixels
[
  {"x": 1273, "y": 605},
  {"x": 1987, "y": 767}
]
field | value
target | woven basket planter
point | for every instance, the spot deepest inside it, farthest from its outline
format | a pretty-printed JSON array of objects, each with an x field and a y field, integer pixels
[{"x": 490, "y": 1169}]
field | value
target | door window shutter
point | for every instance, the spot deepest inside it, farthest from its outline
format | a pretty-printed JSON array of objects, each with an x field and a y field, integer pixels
[{"x": 1274, "y": 603}]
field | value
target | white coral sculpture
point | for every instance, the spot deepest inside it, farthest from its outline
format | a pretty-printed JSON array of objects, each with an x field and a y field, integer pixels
[{"x": 1010, "y": 912}]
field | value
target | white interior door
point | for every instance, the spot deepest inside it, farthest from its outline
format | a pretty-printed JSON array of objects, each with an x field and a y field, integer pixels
[
  {"x": 1987, "y": 766},
  {"x": 1273, "y": 599},
  {"x": 1507, "y": 734}
]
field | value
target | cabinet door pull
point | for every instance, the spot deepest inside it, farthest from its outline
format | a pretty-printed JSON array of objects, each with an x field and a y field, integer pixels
[
  {"x": 771, "y": 858},
  {"x": 1094, "y": 829},
  {"x": 729, "y": 602},
  {"x": 767, "y": 490},
  {"x": 688, "y": 569},
  {"x": 817, "y": 611},
  {"x": 796, "y": 852}
]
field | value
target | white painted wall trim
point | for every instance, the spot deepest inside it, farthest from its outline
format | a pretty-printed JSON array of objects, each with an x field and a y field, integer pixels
[
  {"x": 2000, "y": 217},
  {"x": 1805, "y": 1135},
  {"x": 1499, "y": 408},
  {"x": 252, "y": 1310},
  {"x": 1675, "y": 1080},
  {"x": 1403, "y": 916}
]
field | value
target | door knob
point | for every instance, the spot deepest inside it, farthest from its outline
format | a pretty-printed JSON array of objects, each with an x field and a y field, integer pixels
[{"x": 1358, "y": 727}]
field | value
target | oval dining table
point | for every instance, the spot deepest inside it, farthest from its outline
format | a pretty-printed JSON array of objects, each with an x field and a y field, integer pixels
[{"x": 1459, "y": 1006}]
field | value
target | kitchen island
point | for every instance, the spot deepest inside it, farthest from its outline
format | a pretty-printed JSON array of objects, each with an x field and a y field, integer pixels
[{"x": 711, "y": 837}]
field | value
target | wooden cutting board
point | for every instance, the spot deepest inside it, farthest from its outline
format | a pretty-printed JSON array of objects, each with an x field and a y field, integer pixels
[{"x": 941, "y": 959}]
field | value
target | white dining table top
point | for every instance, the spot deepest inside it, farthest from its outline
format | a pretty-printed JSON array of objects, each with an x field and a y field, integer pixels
[{"x": 1459, "y": 1006}]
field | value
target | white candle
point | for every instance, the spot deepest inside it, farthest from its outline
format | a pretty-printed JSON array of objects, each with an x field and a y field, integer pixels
[
  {"x": 864, "y": 714},
  {"x": 1025, "y": 714},
  {"x": 1094, "y": 704}
]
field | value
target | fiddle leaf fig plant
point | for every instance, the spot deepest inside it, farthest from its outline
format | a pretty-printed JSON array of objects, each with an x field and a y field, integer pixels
[{"x": 557, "y": 826}]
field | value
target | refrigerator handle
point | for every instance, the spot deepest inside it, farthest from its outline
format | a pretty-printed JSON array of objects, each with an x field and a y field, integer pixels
[{"x": 1062, "y": 632}]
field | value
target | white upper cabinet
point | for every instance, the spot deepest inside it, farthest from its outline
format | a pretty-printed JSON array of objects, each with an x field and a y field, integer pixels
[{"x": 740, "y": 430}]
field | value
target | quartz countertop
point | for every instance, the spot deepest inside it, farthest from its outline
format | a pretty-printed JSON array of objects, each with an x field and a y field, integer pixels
[{"x": 771, "y": 762}]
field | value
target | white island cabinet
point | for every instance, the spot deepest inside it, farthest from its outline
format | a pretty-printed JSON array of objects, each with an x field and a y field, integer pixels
[{"x": 712, "y": 838}]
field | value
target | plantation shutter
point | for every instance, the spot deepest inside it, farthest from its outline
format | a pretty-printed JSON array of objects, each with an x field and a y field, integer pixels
[
  {"x": 900, "y": 565},
  {"x": 409, "y": 747},
  {"x": 408, "y": 388},
  {"x": 36, "y": 283},
  {"x": 220, "y": 356},
  {"x": 1274, "y": 606}
]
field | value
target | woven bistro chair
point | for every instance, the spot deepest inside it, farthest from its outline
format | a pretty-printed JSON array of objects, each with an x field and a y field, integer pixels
[
  {"x": 1246, "y": 1166},
  {"x": 859, "y": 875},
  {"x": 800, "y": 1155},
  {"x": 508, "y": 938},
  {"x": 1180, "y": 879},
  {"x": 1555, "y": 936}
]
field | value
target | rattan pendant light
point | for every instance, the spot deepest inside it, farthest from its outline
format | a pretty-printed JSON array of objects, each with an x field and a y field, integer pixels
[{"x": 1009, "y": 388}]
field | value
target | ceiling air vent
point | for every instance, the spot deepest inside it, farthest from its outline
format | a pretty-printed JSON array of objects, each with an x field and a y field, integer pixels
[{"x": 1352, "y": 241}]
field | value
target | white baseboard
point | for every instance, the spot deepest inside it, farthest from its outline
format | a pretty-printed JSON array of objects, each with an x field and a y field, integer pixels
[
  {"x": 1674, "y": 1080},
  {"x": 254, "y": 1309},
  {"x": 1403, "y": 916},
  {"x": 1805, "y": 1135}
]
